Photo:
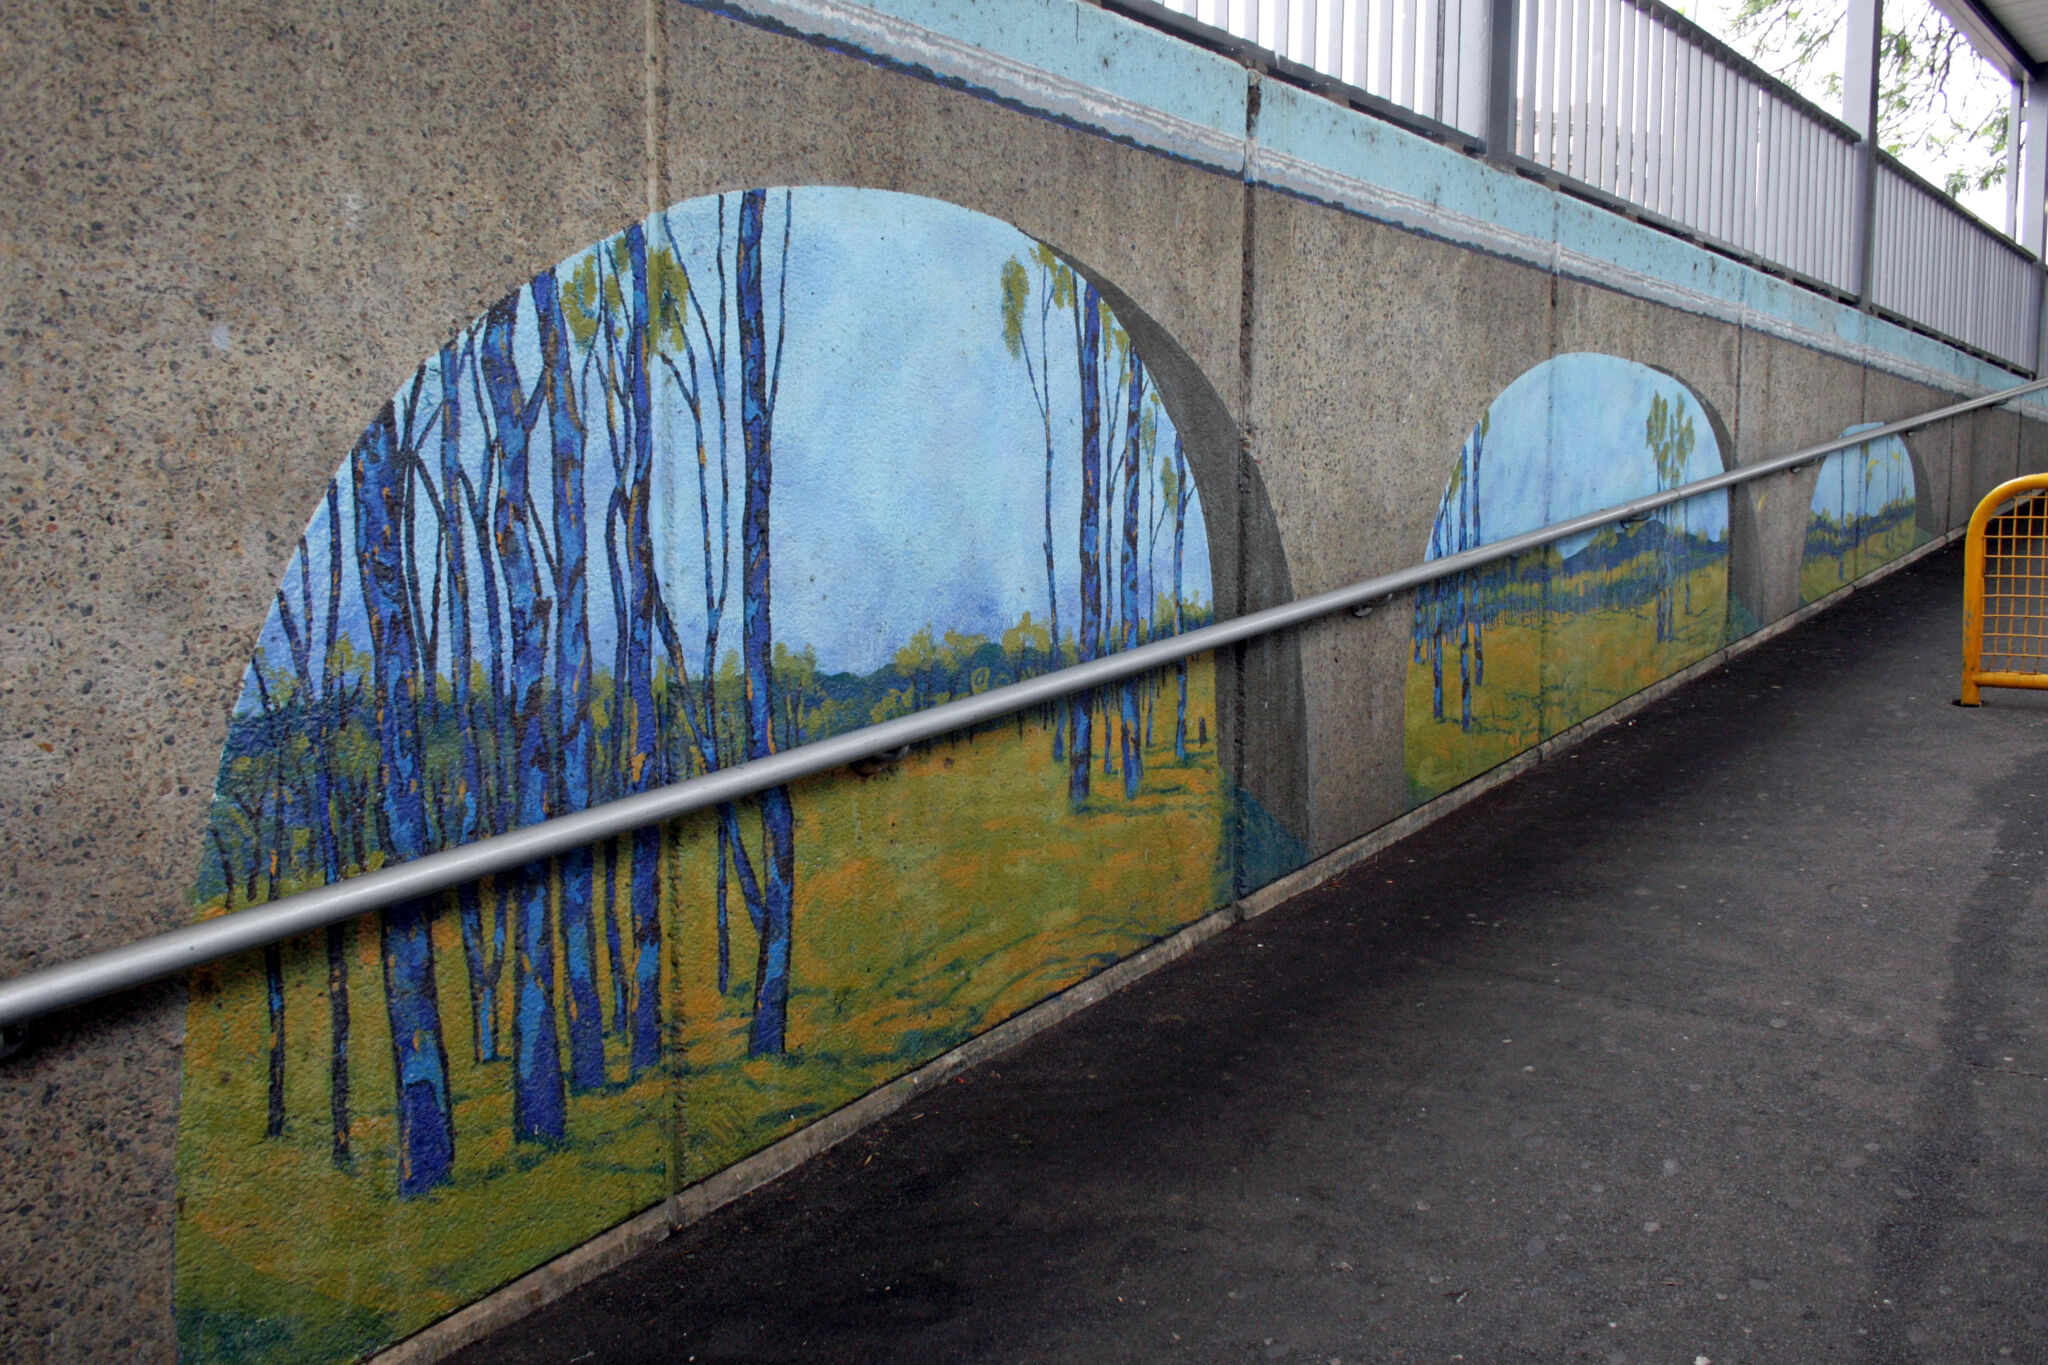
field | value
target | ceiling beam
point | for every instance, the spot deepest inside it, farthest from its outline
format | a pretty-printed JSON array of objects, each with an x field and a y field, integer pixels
[{"x": 1993, "y": 41}]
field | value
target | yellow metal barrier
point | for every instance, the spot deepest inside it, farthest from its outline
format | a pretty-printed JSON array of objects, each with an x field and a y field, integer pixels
[{"x": 2005, "y": 589}]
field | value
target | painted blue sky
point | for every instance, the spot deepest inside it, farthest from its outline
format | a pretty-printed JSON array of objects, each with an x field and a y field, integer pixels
[
  {"x": 1567, "y": 437},
  {"x": 909, "y": 455},
  {"x": 1863, "y": 479}
]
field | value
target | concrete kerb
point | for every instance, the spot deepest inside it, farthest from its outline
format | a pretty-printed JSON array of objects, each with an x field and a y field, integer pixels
[{"x": 578, "y": 1267}]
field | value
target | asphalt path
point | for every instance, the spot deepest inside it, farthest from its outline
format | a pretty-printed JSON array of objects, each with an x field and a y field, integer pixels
[{"x": 1717, "y": 1039}]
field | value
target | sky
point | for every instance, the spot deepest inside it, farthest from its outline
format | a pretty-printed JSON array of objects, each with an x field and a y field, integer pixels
[
  {"x": 1568, "y": 437},
  {"x": 909, "y": 456}
]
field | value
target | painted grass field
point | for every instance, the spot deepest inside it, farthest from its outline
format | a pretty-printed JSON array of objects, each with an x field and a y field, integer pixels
[
  {"x": 1821, "y": 572},
  {"x": 934, "y": 900},
  {"x": 283, "y": 1257},
  {"x": 950, "y": 893},
  {"x": 1546, "y": 673}
]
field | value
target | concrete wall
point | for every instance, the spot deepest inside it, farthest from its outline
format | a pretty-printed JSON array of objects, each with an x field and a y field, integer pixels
[{"x": 232, "y": 232}]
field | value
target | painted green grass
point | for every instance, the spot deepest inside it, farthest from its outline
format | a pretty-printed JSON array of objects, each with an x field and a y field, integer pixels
[
  {"x": 283, "y": 1257},
  {"x": 959, "y": 890},
  {"x": 934, "y": 900},
  {"x": 1546, "y": 673}
]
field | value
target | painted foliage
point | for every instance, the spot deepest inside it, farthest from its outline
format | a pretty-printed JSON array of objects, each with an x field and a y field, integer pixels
[
  {"x": 1508, "y": 655},
  {"x": 764, "y": 468},
  {"x": 1863, "y": 514}
]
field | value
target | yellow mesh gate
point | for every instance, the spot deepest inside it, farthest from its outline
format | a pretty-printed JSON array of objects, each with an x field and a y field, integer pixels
[{"x": 2005, "y": 589}]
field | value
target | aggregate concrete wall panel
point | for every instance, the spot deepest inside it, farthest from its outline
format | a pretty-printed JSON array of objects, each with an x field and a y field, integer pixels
[
  {"x": 228, "y": 228},
  {"x": 2033, "y": 447},
  {"x": 1887, "y": 398},
  {"x": 1705, "y": 354},
  {"x": 1994, "y": 453},
  {"x": 1790, "y": 397},
  {"x": 1373, "y": 353}
]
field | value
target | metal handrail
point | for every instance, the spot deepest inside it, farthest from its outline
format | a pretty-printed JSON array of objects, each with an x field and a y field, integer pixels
[{"x": 166, "y": 954}]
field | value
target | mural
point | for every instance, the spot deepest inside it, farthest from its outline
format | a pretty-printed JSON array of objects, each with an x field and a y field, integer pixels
[
  {"x": 1863, "y": 514},
  {"x": 764, "y": 468},
  {"x": 1508, "y": 655}
]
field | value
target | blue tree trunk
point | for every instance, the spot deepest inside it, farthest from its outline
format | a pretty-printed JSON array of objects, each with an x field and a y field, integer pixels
[
  {"x": 467, "y": 816},
  {"x": 640, "y": 746},
  {"x": 496, "y": 796},
  {"x": 538, "y": 1100},
  {"x": 424, "y": 1106},
  {"x": 340, "y": 937},
  {"x": 273, "y": 982},
  {"x": 1088, "y": 342},
  {"x": 1180, "y": 533},
  {"x": 768, "y": 1036},
  {"x": 1133, "y": 751},
  {"x": 572, "y": 687},
  {"x": 319, "y": 699},
  {"x": 1052, "y": 590},
  {"x": 619, "y": 1019}
]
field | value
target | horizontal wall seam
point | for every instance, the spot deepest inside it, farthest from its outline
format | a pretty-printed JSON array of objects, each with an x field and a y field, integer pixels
[
  {"x": 950, "y": 61},
  {"x": 933, "y": 55}
]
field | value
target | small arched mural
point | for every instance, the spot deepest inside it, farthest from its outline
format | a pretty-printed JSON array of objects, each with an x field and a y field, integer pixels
[
  {"x": 764, "y": 468},
  {"x": 1508, "y": 655},
  {"x": 1863, "y": 514}
]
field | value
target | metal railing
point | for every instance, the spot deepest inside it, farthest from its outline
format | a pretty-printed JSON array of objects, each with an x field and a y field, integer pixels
[
  {"x": 1414, "y": 54},
  {"x": 161, "y": 955},
  {"x": 1945, "y": 270},
  {"x": 1629, "y": 103},
  {"x": 1633, "y": 100},
  {"x": 2005, "y": 589}
]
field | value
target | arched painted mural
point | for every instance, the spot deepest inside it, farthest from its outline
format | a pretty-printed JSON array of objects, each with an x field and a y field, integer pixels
[
  {"x": 763, "y": 468},
  {"x": 1863, "y": 514},
  {"x": 1507, "y": 656}
]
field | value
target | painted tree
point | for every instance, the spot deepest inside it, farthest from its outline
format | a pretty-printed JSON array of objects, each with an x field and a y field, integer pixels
[
  {"x": 572, "y": 685},
  {"x": 758, "y": 391},
  {"x": 611, "y": 318},
  {"x": 1668, "y": 432},
  {"x": 1133, "y": 746},
  {"x": 701, "y": 380},
  {"x": 1452, "y": 608},
  {"x": 463, "y": 819},
  {"x": 1055, "y": 290},
  {"x": 642, "y": 754},
  {"x": 1180, "y": 493},
  {"x": 319, "y": 695},
  {"x": 271, "y": 852},
  {"x": 538, "y": 1099},
  {"x": 1088, "y": 347},
  {"x": 423, "y": 1104}
]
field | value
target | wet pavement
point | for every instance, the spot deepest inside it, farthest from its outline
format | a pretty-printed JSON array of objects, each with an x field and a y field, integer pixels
[{"x": 1718, "y": 1039}]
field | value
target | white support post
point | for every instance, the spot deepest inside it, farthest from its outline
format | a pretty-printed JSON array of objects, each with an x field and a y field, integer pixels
[
  {"x": 2034, "y": 167},
  {"x": 2014, "y": 121},
  {"x": 1859, "y": 111},
  {"x": 2033, "y": 203},
  {"x": 1503, "y": 98},
  {"x": 1486, "y": 73}
]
